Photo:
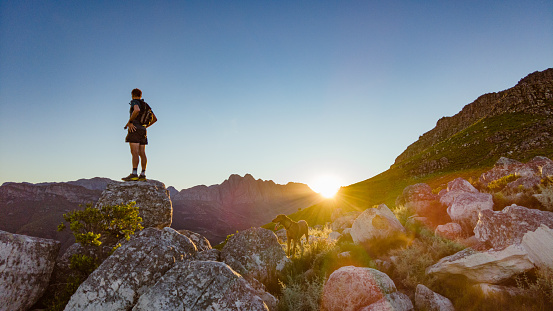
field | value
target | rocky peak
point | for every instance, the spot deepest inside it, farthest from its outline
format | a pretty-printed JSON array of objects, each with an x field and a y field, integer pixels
[{"x": 533, "y": 94}]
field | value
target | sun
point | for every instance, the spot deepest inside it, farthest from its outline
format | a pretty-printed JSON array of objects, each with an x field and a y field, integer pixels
[{"x": 327, "y": 186}]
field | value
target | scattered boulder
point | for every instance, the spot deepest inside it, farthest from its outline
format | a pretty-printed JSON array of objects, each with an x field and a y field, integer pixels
[
  {"x": 450, "y": 231},
  {"x": 200, "y": 285},
  {"x": 395, "y": 301},
  {"x": 134, "y": 267},
  {"x": 539, "y": 245},
  {"x": 503, "y": 167},
  {"x": 491, "y": 267},
  {"x": 522, "y": 183},
  {"x": 255, "y": 253},
  {"x": 26, "y": 264},
  {"x": 417, "y": 198},
  {"x": 426, "y": 299},
  {"x": 344, "y": 222},
  {"x": 464, "y": 202},
  {"x": 538, "y": 163},
  {"x": 507, "y": 227},
  {"x": 351, "y": 288},
  {"x": 199, "y": 240},
  {"x": 376, "y": 224},
  {"x": 150, "y": 196},
  {"x": 454, "y": 188}
]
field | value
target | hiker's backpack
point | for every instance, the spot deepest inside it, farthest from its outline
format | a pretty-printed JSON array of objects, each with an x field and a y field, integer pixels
[{"x": 146, "y": 116}]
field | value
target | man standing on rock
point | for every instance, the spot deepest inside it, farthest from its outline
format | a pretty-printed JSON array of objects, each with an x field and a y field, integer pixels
[{"x": 137, "y": 136}]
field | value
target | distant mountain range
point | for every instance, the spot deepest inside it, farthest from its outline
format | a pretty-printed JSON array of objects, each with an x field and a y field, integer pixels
[
  {"x": 236, "y": 204},
  {"x": 516, "y": 123},
  {"x": 214, "y": 211}
]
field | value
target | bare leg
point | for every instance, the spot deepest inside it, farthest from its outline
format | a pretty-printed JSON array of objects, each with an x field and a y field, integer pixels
[
  {"x": 143, "y": 159},
  {"x": 135, "y": 154}
]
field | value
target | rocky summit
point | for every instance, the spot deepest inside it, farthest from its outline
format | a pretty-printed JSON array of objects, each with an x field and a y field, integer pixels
[{"x": 514, "y": 123}]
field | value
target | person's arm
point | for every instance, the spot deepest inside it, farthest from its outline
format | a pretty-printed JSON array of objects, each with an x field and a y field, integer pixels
[
  {"x": 135, "y": 113},
  {"x": 154, "y": 120}
]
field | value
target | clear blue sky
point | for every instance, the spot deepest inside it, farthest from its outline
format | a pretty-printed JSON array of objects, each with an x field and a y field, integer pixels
[{"x": 283, "y": 90}]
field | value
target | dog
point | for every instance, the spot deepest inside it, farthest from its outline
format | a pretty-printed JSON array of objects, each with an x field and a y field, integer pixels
[{"x": 294, "y": 231}]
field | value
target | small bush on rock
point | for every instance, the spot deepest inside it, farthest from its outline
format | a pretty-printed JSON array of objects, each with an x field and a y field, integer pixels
[{"x": 101, "y": 229}]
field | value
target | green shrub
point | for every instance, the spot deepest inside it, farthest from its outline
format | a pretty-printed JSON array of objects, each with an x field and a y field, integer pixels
[
  {"x": 97, "y": 228},
  {"x": 545, "y": 196},
  {"x": 500, "y": 183},
  {"x": 301, "y": 294},
  {"x": 411, "y": 262}
]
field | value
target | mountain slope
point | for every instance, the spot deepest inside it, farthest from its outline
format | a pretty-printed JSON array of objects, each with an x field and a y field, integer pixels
[{"x": 516, "y": 123}]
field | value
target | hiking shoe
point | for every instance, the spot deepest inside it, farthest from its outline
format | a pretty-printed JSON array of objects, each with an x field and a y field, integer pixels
[
  {"x": 130, "y": 177},
  {"x": 142, "y": 178}
]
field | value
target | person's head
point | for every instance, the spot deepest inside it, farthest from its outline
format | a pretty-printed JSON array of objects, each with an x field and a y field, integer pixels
[{"x": 136, "y": 93}]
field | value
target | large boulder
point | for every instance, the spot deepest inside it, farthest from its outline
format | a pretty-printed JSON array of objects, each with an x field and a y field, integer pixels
[
  {"x": 538, "y": 163},
  {"x": 395, "y": 301},
  {"x": 539, "y": 245},
  {"x": 376, "y": 224},
  {"x": 464, "y": 202},
  {"x": 417, "y": 198},
  {"x": 426, "y": 299},
  {"x": 134, "y": 267},
  {"x": 200, "y": 285},
  {"x": 493, "y": 266},
  {"x": 351, "y": 288},
  {"x": 255, "y": 253},
  {"x": 151, "y": 197},
  {"x": 26, "y": 264},
  {"x": 507, "y": 227}
]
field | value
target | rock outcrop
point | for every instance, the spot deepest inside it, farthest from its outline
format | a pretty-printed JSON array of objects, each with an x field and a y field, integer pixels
[
  {"x": 151, "y": 197},
  {"x": 507, "y": 227},
  {"x": 254, "y": 253},
  {"x": 26, "y": 264},
  {"x": 492, "y": 267},
  {"x": 133, "y": 268},
  {"x": 376, "y": 224},
  {"x": 200, "y": 285},
  {"x": 426, "y": 299}
]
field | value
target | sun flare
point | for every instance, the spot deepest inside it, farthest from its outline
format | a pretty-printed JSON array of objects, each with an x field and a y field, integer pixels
[{"x": 327, "y": 186}]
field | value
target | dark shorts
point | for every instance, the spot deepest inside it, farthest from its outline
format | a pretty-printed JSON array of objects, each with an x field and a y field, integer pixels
[{"x": 139, "y": 136}]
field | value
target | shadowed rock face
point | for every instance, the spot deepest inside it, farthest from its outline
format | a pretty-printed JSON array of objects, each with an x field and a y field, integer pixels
[
  {"x": 134, "y": 267},
  {"x": 26, "y": 264},
  {"x": 151, "y": 197},
  {"x": 200, "y": 285}
]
